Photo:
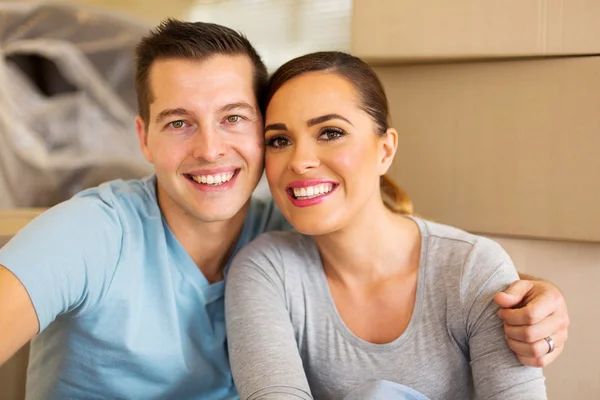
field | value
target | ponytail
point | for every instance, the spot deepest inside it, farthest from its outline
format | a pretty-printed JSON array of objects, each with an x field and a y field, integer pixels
[{"x": 394, "y": 197}]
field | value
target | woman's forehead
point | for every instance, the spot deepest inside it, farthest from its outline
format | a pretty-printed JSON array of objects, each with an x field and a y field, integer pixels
[{"x": 312, "y": 92}]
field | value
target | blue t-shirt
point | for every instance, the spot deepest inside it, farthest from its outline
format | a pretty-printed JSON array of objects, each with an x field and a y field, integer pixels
[{"x": 124, "y": 312}]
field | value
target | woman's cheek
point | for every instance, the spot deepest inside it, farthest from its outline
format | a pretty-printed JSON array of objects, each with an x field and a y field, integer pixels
[
  {"x": 347, "y": 160},
  {"x": 275, "y": 164}
]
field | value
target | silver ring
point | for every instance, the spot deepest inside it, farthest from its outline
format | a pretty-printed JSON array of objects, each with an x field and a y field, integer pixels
[{"x": 550, "y": 344}]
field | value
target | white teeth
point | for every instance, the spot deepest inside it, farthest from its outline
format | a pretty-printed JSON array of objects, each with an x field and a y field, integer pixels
[
  {"x": 313, "y": 191},
  {"x": 217, "y": 179}
]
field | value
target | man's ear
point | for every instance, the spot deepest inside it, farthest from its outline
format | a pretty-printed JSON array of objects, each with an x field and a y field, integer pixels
[
  {"x": 142, "y": 133},
  {"x": 389, "y": 145}
]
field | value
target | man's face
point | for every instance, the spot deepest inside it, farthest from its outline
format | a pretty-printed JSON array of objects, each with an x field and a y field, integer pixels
[{"x": 204, "y": 135}]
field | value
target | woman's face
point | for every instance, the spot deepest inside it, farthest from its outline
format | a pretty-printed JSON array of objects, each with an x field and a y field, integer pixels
[{"x": 323, "y": 157}]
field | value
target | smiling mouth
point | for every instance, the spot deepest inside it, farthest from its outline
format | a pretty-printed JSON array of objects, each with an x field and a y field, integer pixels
[
  {"x": 311, "y": 192},
  {"x": 214, "y": 179}
]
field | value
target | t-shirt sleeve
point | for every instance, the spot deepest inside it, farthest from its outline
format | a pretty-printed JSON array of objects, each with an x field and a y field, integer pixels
[
  {"x": 66, "y": 257},
  {"x": 263, "y": 352},
  {"x": 497, "y": 373}
]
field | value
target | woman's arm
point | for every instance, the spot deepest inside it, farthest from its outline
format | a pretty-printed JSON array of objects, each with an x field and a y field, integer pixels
[
  {"x": 263, "y": 352},
  {"x": 497, "y": 373}
]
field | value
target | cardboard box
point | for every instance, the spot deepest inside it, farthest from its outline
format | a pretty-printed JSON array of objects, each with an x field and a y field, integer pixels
[
  {"x": 507, "y": 148},
  {"x": 11, "y": 221},
  {"x": 386, "y": 31}
]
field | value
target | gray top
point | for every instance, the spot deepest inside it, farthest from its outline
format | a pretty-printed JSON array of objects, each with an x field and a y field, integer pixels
[{"x": 281, "y": 316}]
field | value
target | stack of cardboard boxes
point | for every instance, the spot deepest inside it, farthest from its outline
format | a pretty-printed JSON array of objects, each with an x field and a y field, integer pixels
[{"x": 497, "y": 104}]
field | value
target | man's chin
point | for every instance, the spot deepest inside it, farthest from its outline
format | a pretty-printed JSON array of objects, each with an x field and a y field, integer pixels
[
  {"x": 215, "y": 218},
  {"x": 217, "y": 213}
]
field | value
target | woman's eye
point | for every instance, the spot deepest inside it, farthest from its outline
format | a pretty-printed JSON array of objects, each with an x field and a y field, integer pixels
[
  {"x": 177, "y": 124},
  {"x": 278, "y": 142},
  {"x": 331, "y": 134},
  {"x": 232, "y": 119}
]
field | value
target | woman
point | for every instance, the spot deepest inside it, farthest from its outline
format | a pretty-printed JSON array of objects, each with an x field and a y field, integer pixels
[{"x": 363, "y": 297}]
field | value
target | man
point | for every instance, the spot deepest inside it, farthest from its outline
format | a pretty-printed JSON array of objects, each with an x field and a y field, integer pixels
[{"x": 122, "y": 286}]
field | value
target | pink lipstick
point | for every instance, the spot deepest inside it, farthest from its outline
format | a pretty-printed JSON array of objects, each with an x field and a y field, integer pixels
[{"x": 310, "y": 192}]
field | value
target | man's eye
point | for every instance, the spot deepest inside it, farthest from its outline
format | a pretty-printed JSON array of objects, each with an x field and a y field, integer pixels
[
  {"x": 232, "y": 119},
  {"x": 331, "y": 134},
  {"x": 177, "y": 124},
  {"x": 278, "y": 142}
]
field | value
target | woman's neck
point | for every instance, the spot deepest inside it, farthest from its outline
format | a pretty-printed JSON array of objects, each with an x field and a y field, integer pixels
[{"x": 375, "y": 245}]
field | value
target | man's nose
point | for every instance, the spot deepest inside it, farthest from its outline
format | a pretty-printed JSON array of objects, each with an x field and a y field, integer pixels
[{"x": 209, "y": 144}]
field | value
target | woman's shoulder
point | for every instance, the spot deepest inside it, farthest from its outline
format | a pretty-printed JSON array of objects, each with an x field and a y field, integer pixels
[
  {"x": 279, "y": 241},
  {"x": 455, "y": 245},
  {"x": 466, "y": 271},
  {"x": 278, "y": 250}
]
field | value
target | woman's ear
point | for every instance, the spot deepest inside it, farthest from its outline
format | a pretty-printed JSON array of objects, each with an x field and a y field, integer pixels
[{"x": 389, "y": 145}]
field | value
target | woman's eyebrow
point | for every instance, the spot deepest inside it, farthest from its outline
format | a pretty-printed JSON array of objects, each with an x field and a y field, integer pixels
[
  {"x": 276, "y": 127},
  {"x": 309, "y": 123},
  {"x": 325, "y": 118}
]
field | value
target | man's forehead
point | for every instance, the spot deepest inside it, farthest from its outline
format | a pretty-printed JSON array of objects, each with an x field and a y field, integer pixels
[
  {"x": 213, "y": 82},
  {"x": 216, "y": 69}
]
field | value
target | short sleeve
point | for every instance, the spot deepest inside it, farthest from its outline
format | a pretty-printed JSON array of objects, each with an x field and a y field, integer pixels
[{"x": 66, "y": 257}]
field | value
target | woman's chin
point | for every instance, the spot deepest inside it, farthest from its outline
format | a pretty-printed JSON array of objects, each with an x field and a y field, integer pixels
[{"x": 313, "y": 227}]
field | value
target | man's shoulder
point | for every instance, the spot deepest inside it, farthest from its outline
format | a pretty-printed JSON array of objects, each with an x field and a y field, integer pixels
[
  {"x": 121, "y": 190},
  {"x": 109, "y": 207},
  {"x": 123, "y": 197},
  {"x": 265, "y": 216}
]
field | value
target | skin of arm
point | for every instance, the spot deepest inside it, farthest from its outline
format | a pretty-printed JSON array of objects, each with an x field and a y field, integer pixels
[{"x": 17, "y": 315}]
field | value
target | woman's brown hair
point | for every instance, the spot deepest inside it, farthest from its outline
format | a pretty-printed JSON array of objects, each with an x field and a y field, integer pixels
[{"x": 371, "y": 99}]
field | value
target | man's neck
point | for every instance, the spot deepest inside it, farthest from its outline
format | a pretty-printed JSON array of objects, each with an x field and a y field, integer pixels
[{"x": 209, "y": 244}]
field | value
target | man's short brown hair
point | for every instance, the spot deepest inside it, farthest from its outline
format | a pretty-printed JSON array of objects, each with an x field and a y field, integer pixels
[{"x": 191, "y": 40}]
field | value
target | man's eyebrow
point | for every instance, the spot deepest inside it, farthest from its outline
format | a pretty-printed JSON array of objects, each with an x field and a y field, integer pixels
[
  {"x": 276, "y": 127},
  {"x": 172, "y": 112},
  {"x": 325, "y": 118},
  {"x": 238, "y": 105}
]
